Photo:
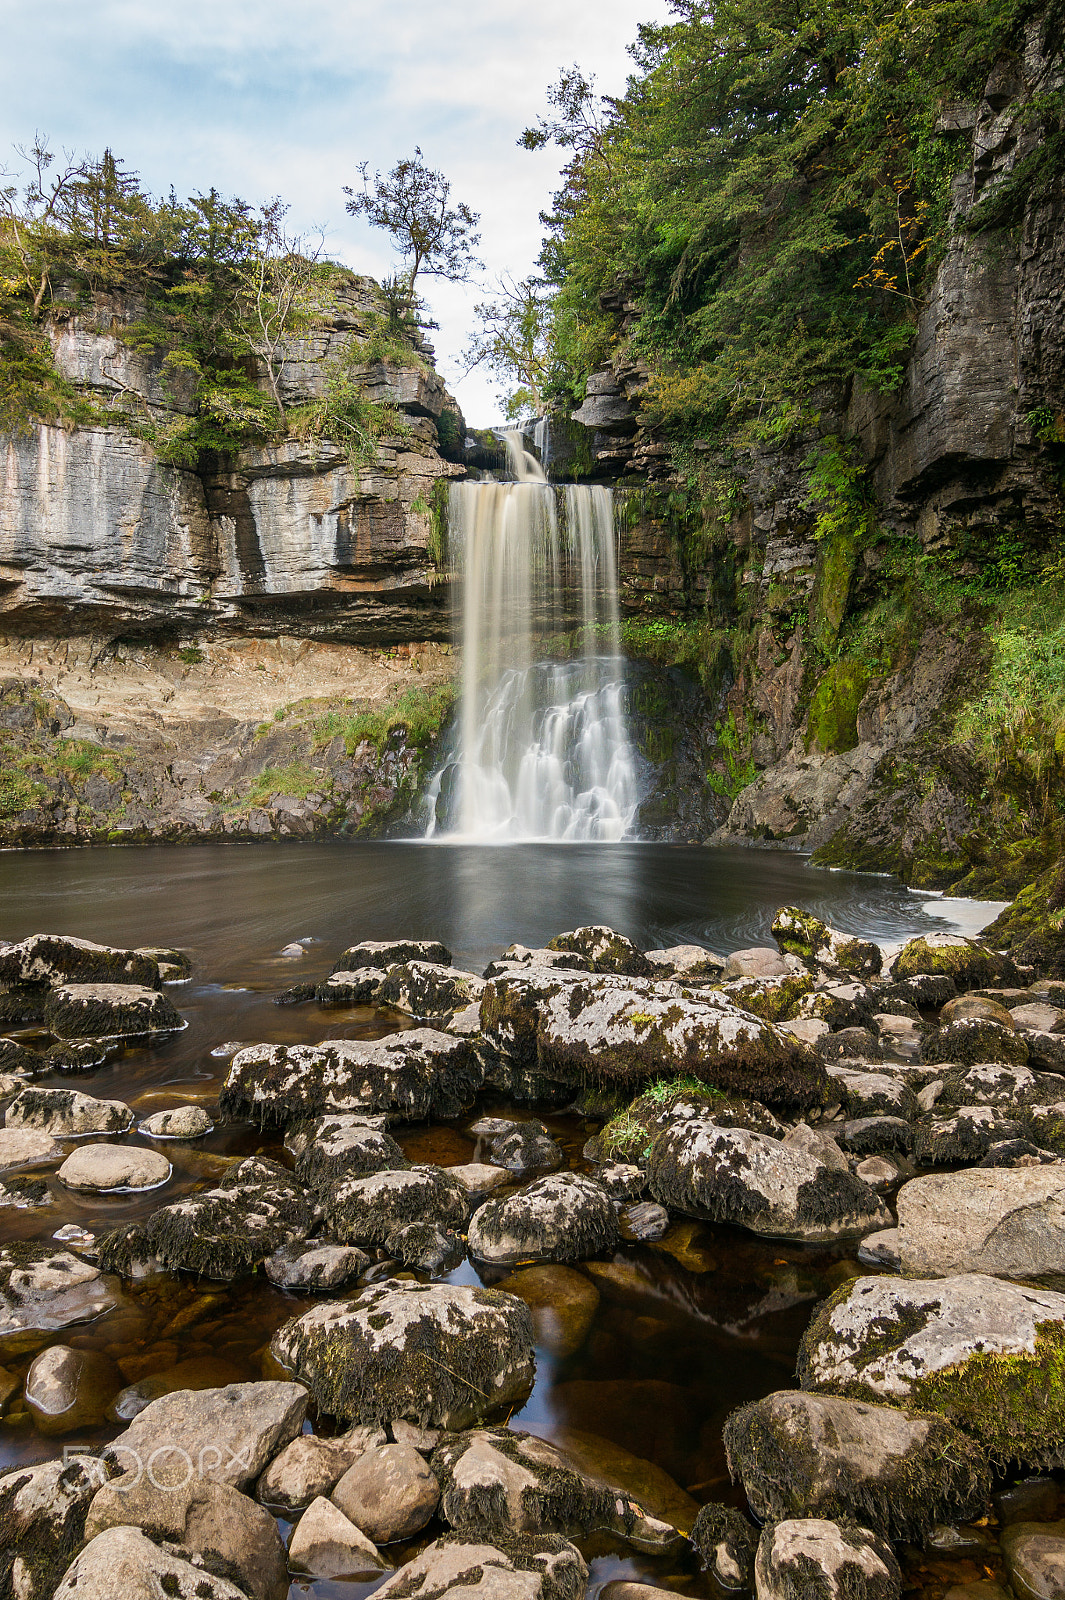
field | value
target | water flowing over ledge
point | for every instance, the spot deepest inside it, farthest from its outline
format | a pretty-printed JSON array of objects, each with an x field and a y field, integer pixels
[{"x": 541, "y": 748}]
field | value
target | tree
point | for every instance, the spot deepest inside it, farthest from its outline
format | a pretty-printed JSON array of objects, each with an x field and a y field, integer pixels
[
  {"x": 513, "y": 342},
  {"x": 412, "y": 203},
  {"x": 279, "y": 294}
]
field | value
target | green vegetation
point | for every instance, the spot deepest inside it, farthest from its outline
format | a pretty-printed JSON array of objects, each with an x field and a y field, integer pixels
[
  {"x": 297, "y": 779},
  {"x": 420, "y": 713}
]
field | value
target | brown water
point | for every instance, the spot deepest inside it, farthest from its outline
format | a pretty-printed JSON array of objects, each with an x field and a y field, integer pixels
[{"x": 685, "y": 1331}]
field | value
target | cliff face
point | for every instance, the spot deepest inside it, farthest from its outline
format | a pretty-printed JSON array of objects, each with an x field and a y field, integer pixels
[{"x": 97, "y": 533}]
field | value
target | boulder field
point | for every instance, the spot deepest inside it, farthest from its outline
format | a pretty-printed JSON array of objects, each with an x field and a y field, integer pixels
[{"x": 811, "y": 1092}]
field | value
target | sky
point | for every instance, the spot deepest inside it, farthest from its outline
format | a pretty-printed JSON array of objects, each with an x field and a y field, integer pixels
[{"x": 286, "y": 97}]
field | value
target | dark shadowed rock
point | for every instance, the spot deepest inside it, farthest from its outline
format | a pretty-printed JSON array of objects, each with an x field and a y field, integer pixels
[
  {"x": 385, "y": 953},
  {"x": 90, "y": 1010},
  {"x": 812, "y": 1559},
  {"x": 726, "y": 1542},
  {"x": 972, "y": 1039},
  {"x": 52, "y": 959},
  {"x": 429, "y": 990},
  {"x": 564, "y": 1217}
]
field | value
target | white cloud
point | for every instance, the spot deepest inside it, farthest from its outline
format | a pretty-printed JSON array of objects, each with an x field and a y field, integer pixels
[{"x": 263, "y": 97}]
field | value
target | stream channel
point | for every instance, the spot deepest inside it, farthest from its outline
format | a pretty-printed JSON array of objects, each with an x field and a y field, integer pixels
[{"x": 685, "y": 1331}]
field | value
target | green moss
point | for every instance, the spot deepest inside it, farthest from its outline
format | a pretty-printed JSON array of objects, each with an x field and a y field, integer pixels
[
  {"x": 832, "y": 720},
  {"x": 296, "y": 779},
  {"x": 1013, "y": 1404}
]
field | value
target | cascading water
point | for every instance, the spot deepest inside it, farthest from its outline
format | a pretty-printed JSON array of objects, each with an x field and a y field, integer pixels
[{"x": 541, "y": 750}]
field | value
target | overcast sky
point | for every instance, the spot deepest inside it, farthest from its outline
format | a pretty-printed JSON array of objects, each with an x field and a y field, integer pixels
[{"x": 265, "y": 97}]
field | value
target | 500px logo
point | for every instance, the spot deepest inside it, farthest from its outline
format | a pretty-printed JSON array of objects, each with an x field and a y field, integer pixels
[{"x": 169, "y": 1467}]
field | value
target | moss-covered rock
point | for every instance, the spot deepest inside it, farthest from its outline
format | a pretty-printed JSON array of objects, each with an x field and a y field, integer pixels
[
  {"x": 429, "y": 990},
  {"x": 898, "y": 1472},
  {"x": 368, "y": 1211},
  {"x": 832, "y": 720},
  {"x": 986, "y": 1354},
  {"x": 49, "y": 958},
  {"x": 92, "y": 1010},
  {"x": 969, "y": 963},
  {"x": 973, "y": 1039},
  {"x": 563, "y": 1217},
  {"x": 726, "y": 1543},
  {"x": 801, "y": 934},
  {"x": 333, "y": 1148},
  {"x": 810, "y": 1558},
  {"x": 66, "y": 1113},
  {"x": 42, "y": 1522},
  {"x": 774, "y": 999},
  {"x": 965, "y": 1135},
  {"x": 604, "y": 950},
  {"x": 437, "y": 1355}
]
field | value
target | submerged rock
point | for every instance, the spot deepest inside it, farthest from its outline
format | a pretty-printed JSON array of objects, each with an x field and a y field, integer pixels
[
  {"x": 421, "y": 1074},
  {"x": 91, "y": 1010},
  {"x": 68, "y": 1389},
  {"x": 67, "y": 1113},
  {"x": 123, "y": 1561},
  {"x": 525, "y": 1147},
  {"x": 1035, "y": 1559},
  {"x": 734, "y": 1175},
  {"x": 564, "y": 1217},
  {"x": 897, "y": 1472},
  {"x": 983, "y": 1352},
  {"x": 28, "y": 1147},
  {"x": 43, "y": 1288},
  {"x": 545, "y": 1567},
  {"x": 437, "y": 1355},
  {"x": 812, "y": 1559},
  {"x": 52, "y": 959},
  {"x": 563, "y": 1305},
  {"x": 1008, "y": 1222}
]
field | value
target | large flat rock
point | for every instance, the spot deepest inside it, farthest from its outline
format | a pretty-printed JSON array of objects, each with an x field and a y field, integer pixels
[{"x": 1005, "y": 1221}]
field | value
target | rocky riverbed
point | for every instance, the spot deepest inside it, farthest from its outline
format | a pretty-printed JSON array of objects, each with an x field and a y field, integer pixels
[{"x": 709, "y": 1272}]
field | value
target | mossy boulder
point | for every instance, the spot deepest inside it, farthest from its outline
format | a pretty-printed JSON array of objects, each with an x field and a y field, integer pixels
[
  {"x": 42, "y": 1522},
  {"x": 66, "y": 1113},
  {"x": 437, "y": 1355},
  {"x": 337, "y": 1147},
  {"x": 368, "y": 1211},
  {"x": 604, "y": 950},
  {"x": 964, "y": 1135},
  {"x": 563, "y": 1217},
  {"x": 986, "y": 1354},
  {"x": 991, "y": 1083},
  {"x": 48, "y": 958},
  {"x": 832, "y": 720},
  {"x": 429, "y": 990},
  {"x": 972, "y": 1039},
  {"x": 385, "y": 953},
  {"x": 970, "y": 964},
  {"x": 418, "y": 1074},
  {"x": 873, "y": 1094},
  {"x": 360, "y": 986},
  {"x": 898, "y": 1472},
  {"x": 726, "y": 1543},
  {"x": 540, "y": 1567},
  {"x": 801, "y": 934},
  {"x": 1033, "y": 927},
  {"x": 772, "y": 1188},
  {"x": 811, "y": 1558},
  {"x": 773, "y": 999},
  {"x": 107, "y": 1010},
  {"x": 220, "y": 1233},
  {"x": 841, "y": 1005}
]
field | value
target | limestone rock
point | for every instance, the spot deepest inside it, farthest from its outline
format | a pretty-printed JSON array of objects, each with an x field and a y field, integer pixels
[
  {"x": 525, "y": 1147},
  {"x": 972, "y": 1039},
  {"x": 234, "y": 1537},
  {"x": 346, "y": 1147},
  {"x": 99, "y": 1168},
  {"x": 90, "y": 1010},
  {"x": 385, "y": 953},
  {"x": 47, "y": 1289},
  {"x": 310, "y": 1466},
  {"x": 438, "y": 1355},
  {"x": 66, "y": 1113},
  {"x": 182, "y": 1122},
  {"x": 604, "y": 950},
  {"x": 798, "y": 933},
  {"x": 479, "y": 1177},
  {"x": 899, "y": 1473},
  {"x": 733, "y": 1175},
  {"x": 689, "y": 962},
  {"x": 760, "y": 961},
  {"x": 122, "y": 1561},
  {"x": 981, "y": 1351},
  {"x": 68, "y": 1389},
  {"x": 1035, "y": 1559},
  {"x": 42, "y": 1519},
  {"x": 229, "y": 1433},
  {"x": 389, "y": 1493},
  {"x": 873, "y": 1094},
  {"x": 881, "y": 1250},
  {"x": 199, "y": 1372},
  {"x": 812, "y": 1559},
  {"x": 877, "y": 1172},
  {"x": 223, "y": 1232},
  {"x": 28, "y": 1147},
  {"x": 52, "y": 959},
  {"x": 966, "y": 1134},
  {"x": 542, "y": 1568},
  {"x": 315, "y": 1264},
  {"x": 359, "y": 986},
  {"x": 429, "y": 990},
  {"x": 421, "y": 1074},
  {"x": 369, "y": 1211},
  {"x": 989, "y": 1083},
  {"x": 327, "y": 1545},
  {"x": 1001, "y": 1221},
  {"x": 564, "y": 1217}
]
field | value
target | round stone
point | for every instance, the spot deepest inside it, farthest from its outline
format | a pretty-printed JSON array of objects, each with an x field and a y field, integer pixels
[
  {"x": 183, "y": 1122},
  {"x": 102, "y": 1167}
]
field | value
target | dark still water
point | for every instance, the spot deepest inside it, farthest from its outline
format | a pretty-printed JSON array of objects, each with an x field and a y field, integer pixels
[{"x": 684, "y": 1330}]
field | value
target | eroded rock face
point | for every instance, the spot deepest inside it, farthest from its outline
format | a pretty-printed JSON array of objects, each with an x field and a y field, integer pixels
[
  {"x": 563, "y": 1217},
  {"x": 809, "y": 1558},
  {"x": 543, "y": 1568},
  {"x": 898, "y": 1473},
  {"x": 1008, "y": 1222},
  {"x": 735, "y": 1175},
  {"x": 981, "y": 1351},
  {"x": 435, "y": 1355},
  {"x": 420, "y": 1074}
]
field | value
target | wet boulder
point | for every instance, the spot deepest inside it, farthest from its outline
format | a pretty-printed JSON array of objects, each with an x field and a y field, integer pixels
[
  {"x": 389, "y": 1493},
  {"x": 229, "y": 1433},
  {"x": 338, "y": 1147},
  {"x": 44, "y": 1288},
  {"x": 525, "y": 1147},
  {"x": 359, "y": 986},
  {"x": 800, "y": 934},
  {"x": 421, "y": 1074},
  {"x": 1008, "y": 1222},
  {"x": 972, "y": 1039},
  {"x": 28, "y": 1147},
  {"x": 427, "y": 1247},
  {"x": 965, "y": 1134},
  {"x": 496, "y": 1481},
  {"x": 123, "y": 1561},
  {"x": 368, "y": 1211},
  {"x": 438, "y": 1355},
  {"x": 114, "y": 1168},
  {"x": 604, "y": 950},
  {"x": 1035, "y": 1559},
  {"x": 737, "y": 1176},
  {"x": 223, "y": 1232},
  {"x": 231, "y": 1535},
  {"x": 91, "y": 1010},
  {"x": 809, "y": 1558},
  {"x": 42, "y": 1521},
  {"x": 425, "y": 989},
  {"x": 17, "y": 1060},
  {"x": 385, "y": 953},
  {"x": 865, "y": 1136},
  {"x": 47, "y": 958},
  {"x": 544, "y": 1567},
  {"x": 873, "y": 1094},
  {"x": 180, "y": 1122},
  {"x": 175, "y": 966},
  {"x": 900, "y": 1473},
  {"x": 977, "y": 1008},
  {"x": 327, "y": 1544},
  {"x": 563, "y": 1217},
  {"x": 726, "y": 1543},
  {"x": 966, "y": 962},
  {"x": 983, "y": 1352},
  {"x": 66, "y": 1113},
  {"x": 68, "y": 1389},
  {"x": 315, "y": 1264}
]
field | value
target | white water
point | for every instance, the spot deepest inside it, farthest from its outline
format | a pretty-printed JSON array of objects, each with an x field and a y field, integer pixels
[{"x": 542, "y": 748}]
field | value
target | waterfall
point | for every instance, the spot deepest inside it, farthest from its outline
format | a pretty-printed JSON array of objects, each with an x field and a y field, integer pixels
[{"x": 541, "y": 748}]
